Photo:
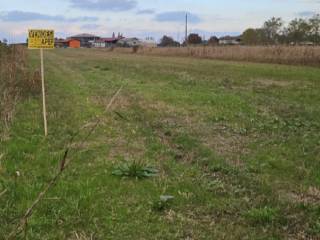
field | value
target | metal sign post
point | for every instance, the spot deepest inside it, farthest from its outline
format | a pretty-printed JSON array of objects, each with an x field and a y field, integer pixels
[{"x": 42, "y": 39}]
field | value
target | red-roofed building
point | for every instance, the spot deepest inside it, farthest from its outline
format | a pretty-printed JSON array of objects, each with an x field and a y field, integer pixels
[
  {"x": 63, "y": 43},
  {"x": 107, "y": 42},
  {"x": 85, "y": 39}
]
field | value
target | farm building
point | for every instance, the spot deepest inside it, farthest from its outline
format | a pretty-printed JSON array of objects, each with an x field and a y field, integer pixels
[
  {"x": 104, "y": 42},
  {"x": 60, "y": 43},
  {"x": 74, "y": 43},
  {"x": 129, "y": 42},
  {"x": 228, "y": 40},
  {"x": 85, "y": 39},
  {"x": 149, "y": 42},
  {"x": 63, "y": 43},
  {"x": 107, "y": 42}
]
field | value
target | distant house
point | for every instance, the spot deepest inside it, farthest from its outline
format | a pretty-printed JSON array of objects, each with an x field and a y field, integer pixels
[
  {"x": 149, "y": 42},
  {"x": 64, "y": 43},
  {"x": 107, "y": 42},
  {"x": 18, "y": 44},
  {"x": 129, "y": 42},
  {"x": 303, "y": 43},
  {"x": 104, "y": 42},
  {"x": 73, "y": 43},
  {"x": 85, "y": 39},
  {"x": 229, "y": 40},
  {"x": 60, "y": 43}
]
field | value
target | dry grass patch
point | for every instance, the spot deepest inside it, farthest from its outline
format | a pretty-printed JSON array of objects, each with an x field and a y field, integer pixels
[
  {"x": 309, "y": 197},
  {"x": 271, "y": 83},
  {"x": 219, "y": 138},
  {"x": 78, "y": 235},
  {"x": 227, "y": 144},
  {"x": 16, "y": 82},
  {"x": 123, "y": 101},
  {"x": 296, "y": 55}
]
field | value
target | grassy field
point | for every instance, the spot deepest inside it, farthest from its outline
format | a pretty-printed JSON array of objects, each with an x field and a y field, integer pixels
[{"x": 236, "y": 144}]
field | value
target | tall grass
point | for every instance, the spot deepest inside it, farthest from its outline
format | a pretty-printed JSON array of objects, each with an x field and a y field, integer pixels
[
  {"x": 295, "y": 55},
  {"x": 16, "y": 82}
]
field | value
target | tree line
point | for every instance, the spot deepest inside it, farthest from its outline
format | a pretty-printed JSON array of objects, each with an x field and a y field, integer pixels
[
  {"x": 274, "y": 31},
  {"x": 193, "y": 39}
]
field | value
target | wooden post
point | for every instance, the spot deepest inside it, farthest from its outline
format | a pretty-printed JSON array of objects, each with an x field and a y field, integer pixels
[{"x": 43, "y": 95}]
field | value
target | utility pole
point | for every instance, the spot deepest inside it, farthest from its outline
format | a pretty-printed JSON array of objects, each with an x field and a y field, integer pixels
[{"x": 186, "y": 37}]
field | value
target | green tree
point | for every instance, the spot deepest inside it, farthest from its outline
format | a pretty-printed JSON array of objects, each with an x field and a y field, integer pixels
[
  {"x": 272, "y": 29},
  {"x": 254, "y": 36},
  {"x": 314, "y": 24},
  {"x": 194, "y": 38},
  {"x": 249, "y": 37},
  {"x": 167, "y": 41},
  {"x": 5, "y": 41},
  {"x": 213, "y": 41},
  {"x": 298, "y": 31}
]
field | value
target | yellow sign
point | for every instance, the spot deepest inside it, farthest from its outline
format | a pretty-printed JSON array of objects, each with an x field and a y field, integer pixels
[{"x": 40, "y": 38}]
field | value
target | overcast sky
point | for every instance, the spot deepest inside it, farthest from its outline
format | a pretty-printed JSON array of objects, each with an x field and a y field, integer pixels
[{"x": 144, "y": 18}]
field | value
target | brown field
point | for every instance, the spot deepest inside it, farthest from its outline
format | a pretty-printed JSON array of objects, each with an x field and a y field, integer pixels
[{"x": 293, "y": 55}]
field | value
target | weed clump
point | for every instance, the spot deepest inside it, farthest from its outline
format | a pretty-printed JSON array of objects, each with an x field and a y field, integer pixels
[
  {"x": 134, "y": 169},
  {"x": 162, "y": 203}
]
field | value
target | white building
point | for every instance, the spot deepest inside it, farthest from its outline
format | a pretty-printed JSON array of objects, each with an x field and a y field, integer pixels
[
  {"x": 129, "y": 42},
  {"x": 228, "y": 40},
  {"x": 149, "y": 42}
]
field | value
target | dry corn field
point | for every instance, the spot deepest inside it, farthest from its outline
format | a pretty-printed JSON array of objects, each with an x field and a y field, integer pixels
[{"x": 293, "y": 55}]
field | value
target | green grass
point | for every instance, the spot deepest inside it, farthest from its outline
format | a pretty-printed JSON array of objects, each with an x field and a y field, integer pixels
[
  {"x": 264, "y": 215},
  {"x": 236, "y": 146}
]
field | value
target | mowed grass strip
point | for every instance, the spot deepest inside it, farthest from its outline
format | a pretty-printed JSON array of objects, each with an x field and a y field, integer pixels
[{"x": 236, "y": 145}]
